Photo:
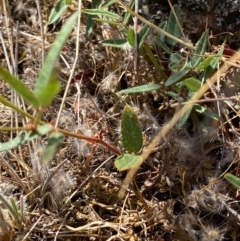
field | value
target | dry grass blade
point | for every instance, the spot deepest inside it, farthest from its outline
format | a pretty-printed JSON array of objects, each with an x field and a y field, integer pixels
[
  {"x": 74, "y": 63},
  {"x": 94, "y": 225},
  {"x": 13, "y": 174}
]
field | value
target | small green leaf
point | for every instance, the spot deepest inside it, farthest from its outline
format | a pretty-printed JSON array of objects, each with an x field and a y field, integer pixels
[
  {"x": 107, "y": 3},
  {"x": 98, "y": 11},
  {"x": 233, "y": 180},
  {"x": 44, "y": 129},
  {"x": 142, "y": 35},
  {"x": 176, "y": 67},
  {"x": 176, "y": 58},
  {"x": 192, "y": 84},
  {"x": 131, "y": 37},
  {"x": 19, "y": 87},
  {"x": 207, "y": 112},
  {"x": 163, "y": 45},
  {"x": 205, "y": 63},
  {"x": 177, "y": 76},
  {"x": 140, "y": 89},
  {"x": 14, "y": 208},
  {"x": 8, "y": 206},
  {"x": 15, "y": 142},
  {"x": 215, "y": 61},
  {"x": 172, "y": 25},
  {"x": 117, "y": 43},
  {"x": 200, "y": 50},
  {"x": 163, "y": 26},
  {"x": 54, "y": 142},
  {"x": 90, "y": 19},
  {"x": 53, "y": 55},
  {"x": 173, "y": 95},
  {"x": 128, "y": 15},
  {"x": 127, "y": 161},
  {"x": 52, "y": 89},
  {"x": 132, "y": 139},
  {"x": 154, "y": 61},
  {"x": 19, "y": 140},
  {"x": 184, "y": 118},
  {"x": 213, "y": 64},
  {"x": 59, "y": 9},
  {"x": 108, "y": 22}
]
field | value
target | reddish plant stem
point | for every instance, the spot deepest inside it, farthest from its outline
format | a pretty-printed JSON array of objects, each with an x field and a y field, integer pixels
[{"x": 90, "y": 139}]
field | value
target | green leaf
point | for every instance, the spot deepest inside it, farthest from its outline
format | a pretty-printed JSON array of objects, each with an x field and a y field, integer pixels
[
  {"x": 176, "y": 58},
  {"x": 44, "y": 129},
  {"x": 128, "y": 15},
  {"x": 142, "y": 35},
  {"x": 52, "y": 89},
  {"x": 207, "y": 112},
  {"x": 19, "y": 140},
  {"x": 127, "y": 161},
  {"x": 54, "y": 142},
  {"x": 184, "y": 118},
  {"x": 108, "y": 22},
  {"x": 163, "y": 26},
  {"x": 176, "y": 67},
  {"x": 140, "y": 89},
  {"x": 200, "y": 50},
  {"x": 19, "y": 87},
  {"x": 178, "y": 76},
  {"x": 192, "y": 84},
  {"x": 132, "y": 139},
  {"x": 213, "y": 64},
  {"x": 117, "y": 43},
  {"x": 90, "y": 19},
  {"x": 48, "y": 66},
  {"x": 107, "y": 3},
  {"x": 154, "y": 61},
  {"x": 15, "y": 142},
  {"x": 131, "y": 37},
  {"x": 205, "y": 63},
  {"x": 172, "y": 25},
  {"x": 233, "y": 180},
  {"x": 215, "y": 61},
  {"x": 162, "y": 45},
  {"x": 59, "y": 9},
  {"x": 8, "y": 206},
  {"x": 102, "y": 12},
  {"x": 14, "y": 208},
  {"x": 173, "y": 95}
]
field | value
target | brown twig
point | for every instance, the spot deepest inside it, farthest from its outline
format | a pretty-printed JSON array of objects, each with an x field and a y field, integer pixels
[{"x": 90, "y": 139}]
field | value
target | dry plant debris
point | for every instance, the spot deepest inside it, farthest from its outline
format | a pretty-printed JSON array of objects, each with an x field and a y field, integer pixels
[{"x": 179, "y": 192}]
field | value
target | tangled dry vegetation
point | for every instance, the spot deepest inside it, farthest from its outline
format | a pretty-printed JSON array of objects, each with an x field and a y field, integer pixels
[{"x": 178, "y": 193}]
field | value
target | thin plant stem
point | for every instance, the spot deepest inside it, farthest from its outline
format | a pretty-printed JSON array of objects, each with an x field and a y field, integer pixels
[
  {"x": 74, "y": 64},
  {"x": 20, "y": 111},
  {"x": 135, "y": 51},
  {"x": 41, "y": 29},
  {"x": 90, "y": 139}
]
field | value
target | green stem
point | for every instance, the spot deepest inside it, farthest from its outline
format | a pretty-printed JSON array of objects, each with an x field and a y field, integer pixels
[
  {"x": 8, "y": 129},
  {"x": 14, "y": 107}
]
